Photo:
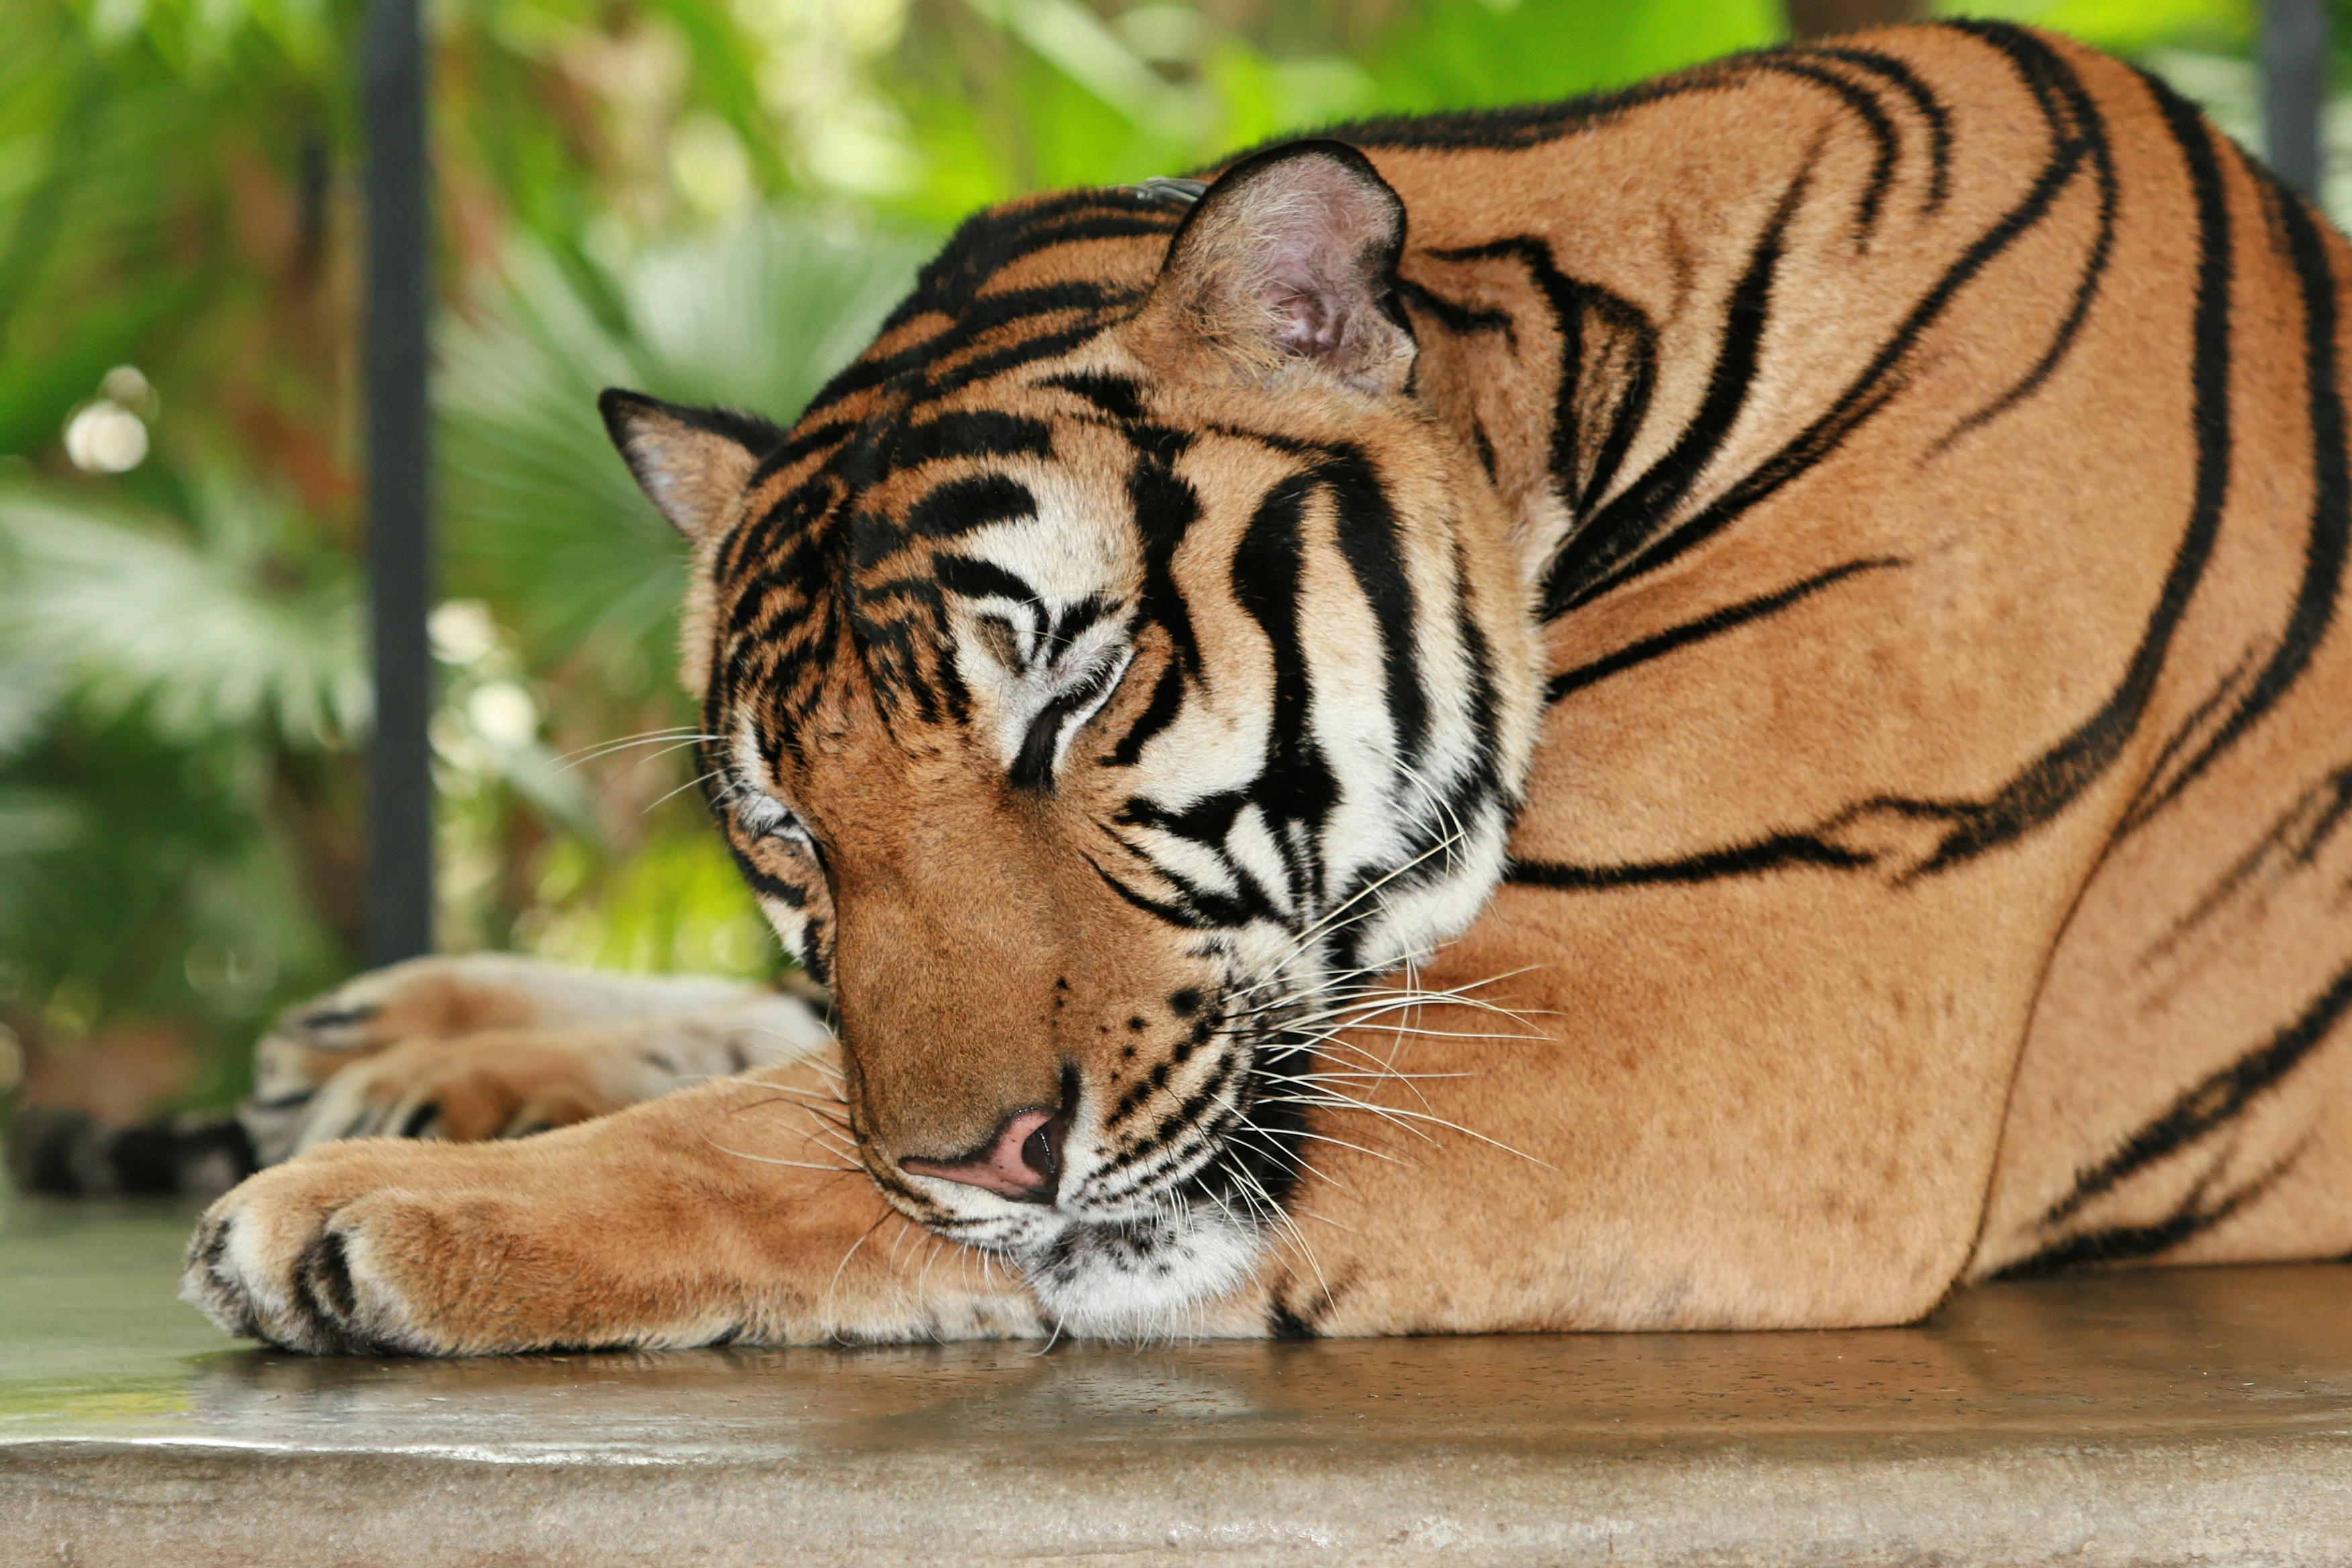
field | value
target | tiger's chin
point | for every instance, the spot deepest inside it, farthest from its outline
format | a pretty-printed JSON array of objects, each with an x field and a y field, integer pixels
[{"x": 1141, "y": 1278}]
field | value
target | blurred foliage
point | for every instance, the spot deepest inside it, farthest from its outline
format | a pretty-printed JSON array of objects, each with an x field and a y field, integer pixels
[{"x": 711, "y": 200}]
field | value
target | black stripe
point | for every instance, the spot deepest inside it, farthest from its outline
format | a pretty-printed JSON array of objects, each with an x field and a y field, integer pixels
[
  {"x": 2296, "y": 838},
  {"x": 1091, "y": 304},
  {"x": 970, "y": 433},
  {"x": 1034, "y": 767},
  {"x": 761, "y": 882},
  {"x": 1209, "y": 823},
  {"x": 1453, "y": 316},
  {"x": 1729, "y": 618},
  {"x": 1876, "y": 385},
  {"x": 2331, "y": 512},
  {"x": 2126, "y": 1242},
  {"x": 1922, "y": 98},
  {"x": 1367, "y": 529},
  {"x": 1593, "y": 325},
  {"x": 1173, "y": 914},
  {"x": 2214, "y": 1102},
  {"x": 1530, "y": 125},
  {"x": 991, "y": 240},
  {"x": 1626, "y": 523},
  {"x": 780, "y": 525},
  {"x": 1167, "y": 699},
  {"x": 1296, "y": 787},
  {"x": 2056, "y": 779},
  {"x": 1885, "y": 142},
  {"x": 812, "y": 951},
  {"x": 2061, "y": 774},
  {"x": 1049, "y": 345},
  {"x": 807, "y": 438},
  {"x": 1166, "y": 507},
  {"x": 961, "y": 506},
  {"x": 1780, "y": 852},
  {"x": 1525, "y": 125},
  {"x": 1115, "y": 396},
  {"x": 973, "y": 578},
  {"x": 2197, "y": 721},
  {"x": 1621, "y": 326},
  {"x": 1073, "y": 621},
  {"x": 2090, "y": 135}
]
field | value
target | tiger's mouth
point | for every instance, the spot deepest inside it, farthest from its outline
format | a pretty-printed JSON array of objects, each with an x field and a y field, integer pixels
[{"x": 1165, "y": 1186}]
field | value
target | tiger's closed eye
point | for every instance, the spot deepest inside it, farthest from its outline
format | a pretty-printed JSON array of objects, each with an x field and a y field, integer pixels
[
  {"x": 1065, "y": 714},
  {"x": 762, "y": 815}
]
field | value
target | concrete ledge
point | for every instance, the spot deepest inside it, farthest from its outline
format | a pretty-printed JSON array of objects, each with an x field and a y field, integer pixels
[{"x": 2166, "y": 1416}]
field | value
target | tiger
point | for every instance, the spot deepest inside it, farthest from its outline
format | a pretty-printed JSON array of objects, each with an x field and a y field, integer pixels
[{"x": 1719, "y": 706}]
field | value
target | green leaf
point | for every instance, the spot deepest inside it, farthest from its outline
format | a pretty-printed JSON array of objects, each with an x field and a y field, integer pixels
[{"x": 542, "y": 517}]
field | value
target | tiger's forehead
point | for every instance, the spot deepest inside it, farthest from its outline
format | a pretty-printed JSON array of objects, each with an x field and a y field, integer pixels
[
  {"x": 1022, "y": 501},
  {"x": 994, "y": 441}
]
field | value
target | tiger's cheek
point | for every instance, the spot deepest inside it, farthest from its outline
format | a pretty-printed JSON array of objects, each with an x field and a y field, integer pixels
[{"x": 798, "y": 906}]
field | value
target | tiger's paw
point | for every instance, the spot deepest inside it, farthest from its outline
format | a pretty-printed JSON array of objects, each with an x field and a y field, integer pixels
[
  {"x": 377, "y": 1247},
  {"x": 440, "y": 996},
  {"x": 506, "y": 1085},
  {"x": 343, "y": 1064},
  {"x": 296, "y": 1257}
]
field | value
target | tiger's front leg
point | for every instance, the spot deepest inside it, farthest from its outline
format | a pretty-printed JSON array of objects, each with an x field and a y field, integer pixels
[{"x": 732, "y": 1212}]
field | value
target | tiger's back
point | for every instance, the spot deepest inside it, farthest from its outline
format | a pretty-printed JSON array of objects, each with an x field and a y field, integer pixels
[{"x": 1992, "y": 533}]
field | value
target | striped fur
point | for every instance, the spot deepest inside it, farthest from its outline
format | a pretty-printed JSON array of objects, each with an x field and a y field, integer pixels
[{"x": 1718, "y": 706}]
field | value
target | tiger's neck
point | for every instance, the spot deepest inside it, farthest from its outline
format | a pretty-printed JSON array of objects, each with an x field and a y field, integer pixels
[{"x": 1543, "y": 377}]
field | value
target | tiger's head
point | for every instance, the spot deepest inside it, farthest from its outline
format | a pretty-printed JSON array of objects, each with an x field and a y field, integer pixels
[{"x": 1114, "y": 669}]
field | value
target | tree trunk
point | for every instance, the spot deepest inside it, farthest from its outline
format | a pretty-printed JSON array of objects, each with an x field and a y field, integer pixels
[{"x": 1821, "y": 18}]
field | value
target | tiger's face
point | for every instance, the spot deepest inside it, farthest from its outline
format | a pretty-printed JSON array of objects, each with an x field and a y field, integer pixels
[{"x": 1110, "y": 678}]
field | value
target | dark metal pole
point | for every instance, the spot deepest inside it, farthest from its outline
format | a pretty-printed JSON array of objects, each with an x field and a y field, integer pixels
[
  {"x": 1810, "y": 19},
  {"x": 2295, "y": 88},
  {"x": 399, "y": 907}
]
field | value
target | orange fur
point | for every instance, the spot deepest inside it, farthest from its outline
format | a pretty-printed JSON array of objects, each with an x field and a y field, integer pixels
[{"x": 1933, "y": 870}]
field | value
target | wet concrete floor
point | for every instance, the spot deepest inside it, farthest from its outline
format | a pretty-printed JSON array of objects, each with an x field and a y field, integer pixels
[{"x": 2189, "y": 1415}]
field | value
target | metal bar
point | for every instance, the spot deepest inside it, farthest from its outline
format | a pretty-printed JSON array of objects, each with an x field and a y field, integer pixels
[
  {"x": 2295, "y": 88},
  {"x": 1811, "y": 19},
  {"x": 399, "y": 902}
]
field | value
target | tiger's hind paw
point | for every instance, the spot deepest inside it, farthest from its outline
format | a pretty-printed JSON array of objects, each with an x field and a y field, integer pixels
[{"x": 493, "y": 1086}]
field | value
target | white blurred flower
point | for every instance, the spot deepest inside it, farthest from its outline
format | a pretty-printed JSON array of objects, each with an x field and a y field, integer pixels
[
  {"x": 129, "y": 385},
  {"x": 503, "y": 713},
  {"x": 462, "y": 631},
  {"x": 104, "y": 437}
]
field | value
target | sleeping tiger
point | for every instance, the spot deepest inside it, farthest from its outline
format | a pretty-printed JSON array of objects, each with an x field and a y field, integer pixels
[{"x": 1720, "y": 707}]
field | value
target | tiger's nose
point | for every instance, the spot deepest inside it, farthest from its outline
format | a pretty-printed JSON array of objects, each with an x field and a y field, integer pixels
[{"x": 1021, "y": 1162}]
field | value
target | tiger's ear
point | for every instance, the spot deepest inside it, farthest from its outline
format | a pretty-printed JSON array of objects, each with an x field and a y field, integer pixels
[
  {"x": 1290, "y": 256},
  {"x": 693, "y": 462}
]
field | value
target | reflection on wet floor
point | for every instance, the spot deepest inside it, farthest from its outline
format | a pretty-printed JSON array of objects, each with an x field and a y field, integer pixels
[{"x": 93, "y": 1344}]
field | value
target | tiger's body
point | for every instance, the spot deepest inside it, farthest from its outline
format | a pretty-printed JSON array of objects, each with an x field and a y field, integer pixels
[{"x": 1727, "y": 710}]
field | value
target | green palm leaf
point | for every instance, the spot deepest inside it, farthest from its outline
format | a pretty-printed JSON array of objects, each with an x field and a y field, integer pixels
[{"x": 543, "y": 517}]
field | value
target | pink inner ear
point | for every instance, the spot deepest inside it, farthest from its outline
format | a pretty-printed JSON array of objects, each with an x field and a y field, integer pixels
[
  {"x": 1286, "y": 255},
  {"x": 1307, "y": 324}
]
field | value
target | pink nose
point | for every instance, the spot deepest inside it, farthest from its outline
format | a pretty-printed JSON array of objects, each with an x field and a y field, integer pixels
[{"x": 1020, "y": 1163}]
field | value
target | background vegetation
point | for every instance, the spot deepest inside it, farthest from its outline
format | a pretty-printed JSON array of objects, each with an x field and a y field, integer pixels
[{"x": 711, "y": 199}]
